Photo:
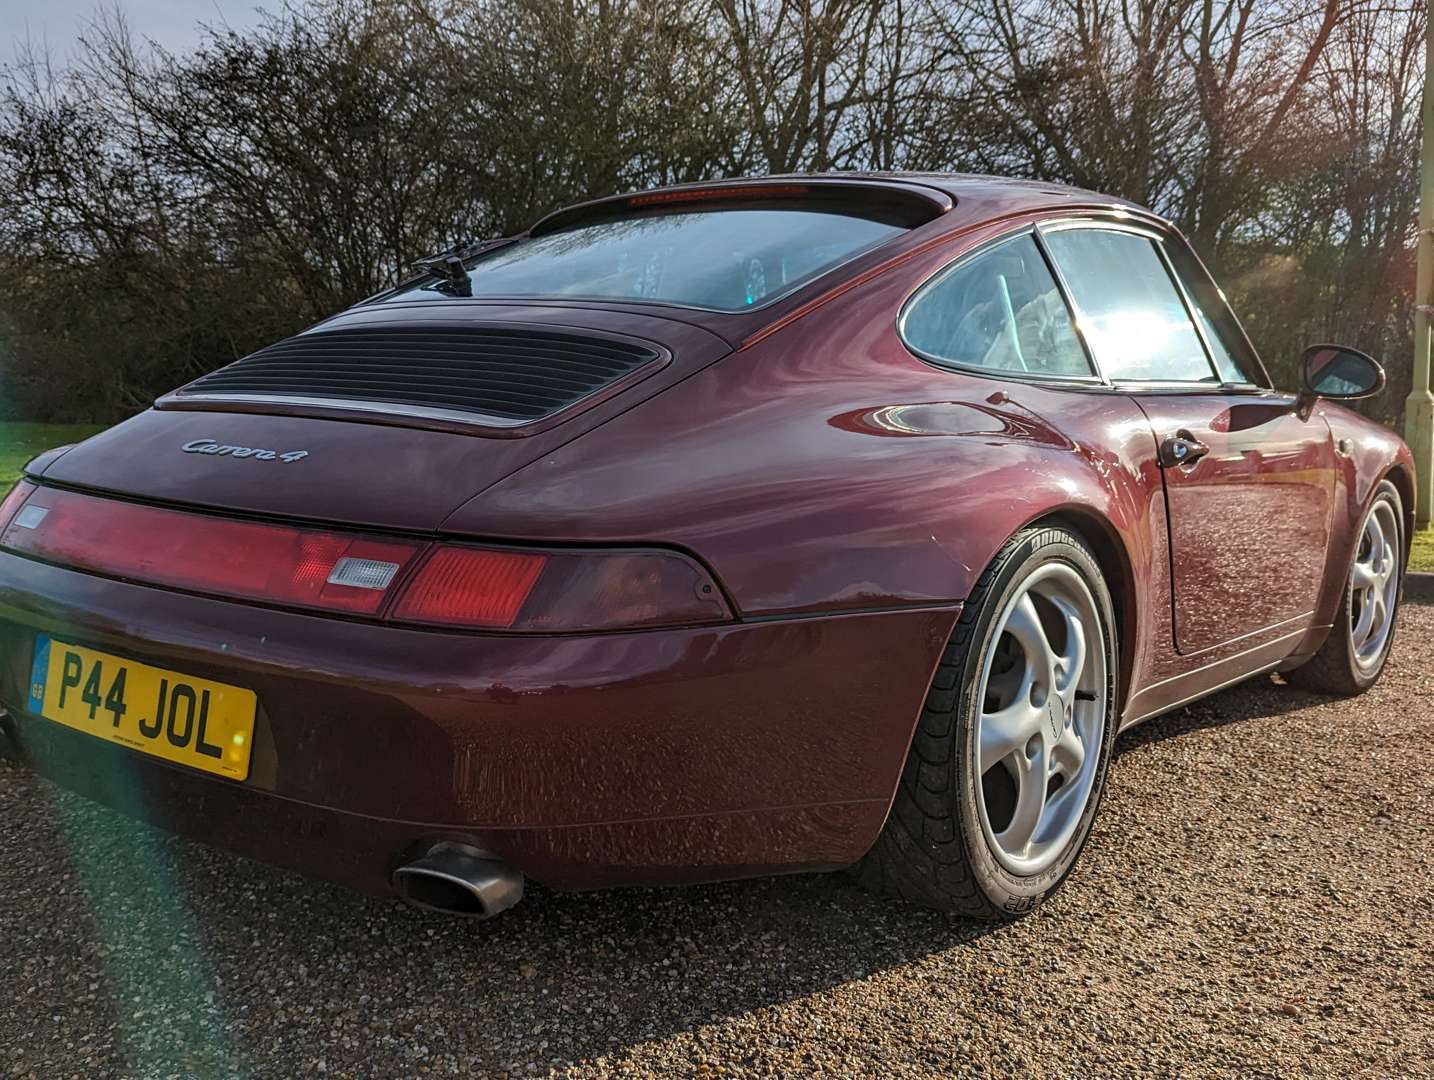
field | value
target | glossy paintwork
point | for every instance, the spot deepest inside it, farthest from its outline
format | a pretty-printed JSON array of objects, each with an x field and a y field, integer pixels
[
  {"x": 1366, "y": 453},
  {"x": 441, "y": 732},
  {"x": 847, "y": 494},
  {"x": 1270, "y": 470},
  {"x": 362, "y": 852},
  {"x": 790, "y": 469},
  {"x": 362, "y": 473}
]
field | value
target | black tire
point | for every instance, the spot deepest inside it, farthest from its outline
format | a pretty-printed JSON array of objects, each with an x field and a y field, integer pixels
[
  {"x": 933, "y": 850},
  {"x": 1333, "y": 670}
]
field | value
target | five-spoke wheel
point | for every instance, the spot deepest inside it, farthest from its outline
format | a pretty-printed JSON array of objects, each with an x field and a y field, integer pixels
[
  {"x": 1374, "y": 583},
  {"x": 1042, "y": 718},
  {"x": 1353, "y": 655},
  {"x": 1005, "y": 773}
]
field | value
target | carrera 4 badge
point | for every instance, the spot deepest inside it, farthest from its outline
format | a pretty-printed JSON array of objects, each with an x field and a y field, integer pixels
[{"x": 214, "y": 446}]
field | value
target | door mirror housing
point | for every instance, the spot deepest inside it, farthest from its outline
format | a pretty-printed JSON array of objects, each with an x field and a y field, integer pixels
[{"x": 1339, "y": 373}]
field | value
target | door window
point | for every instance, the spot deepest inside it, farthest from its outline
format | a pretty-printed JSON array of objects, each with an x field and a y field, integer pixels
[
  {"x": 1229, "y": 348},
  {"x": 999, "y": 310},
  {"x": 1131, "y": 312}
]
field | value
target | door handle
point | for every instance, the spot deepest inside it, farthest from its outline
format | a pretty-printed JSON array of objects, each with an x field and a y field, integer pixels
[{"x": 1182, "y": 448}]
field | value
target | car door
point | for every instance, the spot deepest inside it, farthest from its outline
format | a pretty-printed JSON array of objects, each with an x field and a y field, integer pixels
[{"x": 1249, "y": 481}]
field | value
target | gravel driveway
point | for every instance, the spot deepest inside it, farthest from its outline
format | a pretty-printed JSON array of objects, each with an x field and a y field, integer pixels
[{"x": 1258, "y": 897}]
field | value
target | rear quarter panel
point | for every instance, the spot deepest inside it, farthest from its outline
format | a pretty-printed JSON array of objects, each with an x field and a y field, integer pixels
[{"x": 826, "y": 468}]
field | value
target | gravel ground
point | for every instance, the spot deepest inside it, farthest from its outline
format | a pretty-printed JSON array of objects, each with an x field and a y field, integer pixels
[{"x": 1256, "y": 899}]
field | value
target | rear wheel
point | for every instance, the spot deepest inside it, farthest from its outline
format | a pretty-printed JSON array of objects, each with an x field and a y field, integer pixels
[
  {"x": 1353, "y": 656},
  {"x": 1008, "y": 762}
]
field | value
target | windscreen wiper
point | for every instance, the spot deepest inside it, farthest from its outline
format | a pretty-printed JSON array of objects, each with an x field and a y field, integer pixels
[
  {"x": 450, "y": 270},
  {"x": 450, "y": 266}
]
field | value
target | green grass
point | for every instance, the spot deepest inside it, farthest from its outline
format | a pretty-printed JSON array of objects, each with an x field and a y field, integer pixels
[
  {"x": 19, "y": 442},
  {"x": 1421, "y": 558}
]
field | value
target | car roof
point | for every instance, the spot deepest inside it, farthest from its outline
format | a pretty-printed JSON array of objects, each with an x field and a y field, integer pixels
[{"x": 940, "y": 204}]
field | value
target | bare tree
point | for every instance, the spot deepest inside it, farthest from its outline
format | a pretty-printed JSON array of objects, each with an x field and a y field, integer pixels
[
  {"x": 160, "y": 213},
  {"x": 1330, "y": 255}
]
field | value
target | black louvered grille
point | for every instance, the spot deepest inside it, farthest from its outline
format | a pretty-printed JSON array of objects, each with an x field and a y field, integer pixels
[{"x": 517, "y": 375}]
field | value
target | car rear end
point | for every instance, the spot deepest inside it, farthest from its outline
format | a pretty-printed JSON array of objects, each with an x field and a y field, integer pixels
[
  {"x": 586, "y": 717},
  {"x": 243, "y": 616}
]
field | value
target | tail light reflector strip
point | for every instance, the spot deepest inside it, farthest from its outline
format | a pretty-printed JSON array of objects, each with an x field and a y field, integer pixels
[
  {"x": 241, "y": 559},
  {"x": 414, "y": 582}
]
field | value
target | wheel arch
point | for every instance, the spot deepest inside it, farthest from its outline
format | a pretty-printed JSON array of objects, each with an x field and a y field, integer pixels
[
  {"x": 1114, "y": 562},
  {"x": 1403, "y": 482}
]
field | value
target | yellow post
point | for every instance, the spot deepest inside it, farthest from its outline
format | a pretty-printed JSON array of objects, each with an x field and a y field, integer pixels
[{"x": 1419, "y": 408}]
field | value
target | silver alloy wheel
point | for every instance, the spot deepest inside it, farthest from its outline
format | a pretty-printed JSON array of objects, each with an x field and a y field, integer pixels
[
  {"x": 1374, "y": 582},
  {"x": 1041, "y": 721}
]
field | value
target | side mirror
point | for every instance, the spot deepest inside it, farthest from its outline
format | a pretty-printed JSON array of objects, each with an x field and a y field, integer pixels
[{"x": 1333, "y": 371}]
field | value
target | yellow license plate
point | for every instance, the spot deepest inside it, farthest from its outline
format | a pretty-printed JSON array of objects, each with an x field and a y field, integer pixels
[{"x": 205, "y": 725}]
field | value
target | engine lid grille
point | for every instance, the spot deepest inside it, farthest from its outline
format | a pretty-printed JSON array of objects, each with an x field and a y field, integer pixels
[{"x": 489, "y": 374}]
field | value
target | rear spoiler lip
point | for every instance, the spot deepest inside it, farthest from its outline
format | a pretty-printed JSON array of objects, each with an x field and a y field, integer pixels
[{"x": 926, "y": 203}]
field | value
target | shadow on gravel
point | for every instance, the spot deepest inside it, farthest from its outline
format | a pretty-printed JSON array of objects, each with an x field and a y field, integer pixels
[
  {"x": 1261, "y": 698},
  {"x": 217, "y": 965},
  {"x": 220, "y": 966}
]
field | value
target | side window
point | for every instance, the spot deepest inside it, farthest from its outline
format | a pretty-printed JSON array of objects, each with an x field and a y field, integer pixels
[
  {"x": 1131, "y": 312},
  {"x": 1231, "y": 351},
  {"x": 1000, "y": 310}
]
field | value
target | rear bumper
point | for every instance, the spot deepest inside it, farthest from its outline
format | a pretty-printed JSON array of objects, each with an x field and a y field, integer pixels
[{"x": 644, "y": 758}]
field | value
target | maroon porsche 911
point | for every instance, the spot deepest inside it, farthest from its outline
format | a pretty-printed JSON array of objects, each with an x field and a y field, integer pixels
[{"x": 727, "y": 529}]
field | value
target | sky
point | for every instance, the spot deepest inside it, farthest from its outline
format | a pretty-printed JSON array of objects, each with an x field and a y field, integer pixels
[{"x": 172, "y": 23}]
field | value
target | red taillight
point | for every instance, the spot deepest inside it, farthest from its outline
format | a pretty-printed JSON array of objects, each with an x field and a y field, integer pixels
[
  {"x": 559, "y": 590},
  {"x": 452, "y": 585},
  {"x": 249, "y": 560},
  {"x": 13, "y": 501},
  {"x": 470, "y": 587}
]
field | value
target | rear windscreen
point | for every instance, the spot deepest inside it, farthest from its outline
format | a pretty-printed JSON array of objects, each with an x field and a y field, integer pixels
[{"x": 727, "y": 259}]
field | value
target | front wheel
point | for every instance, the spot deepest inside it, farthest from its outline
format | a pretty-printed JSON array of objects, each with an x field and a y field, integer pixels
[
  {"x": 1353, "y": 656},
  {"x": 1008, "y": 762}
]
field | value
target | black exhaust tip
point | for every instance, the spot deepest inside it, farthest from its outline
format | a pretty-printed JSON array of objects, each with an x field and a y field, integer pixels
[{"x": 456, "y": 879}]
